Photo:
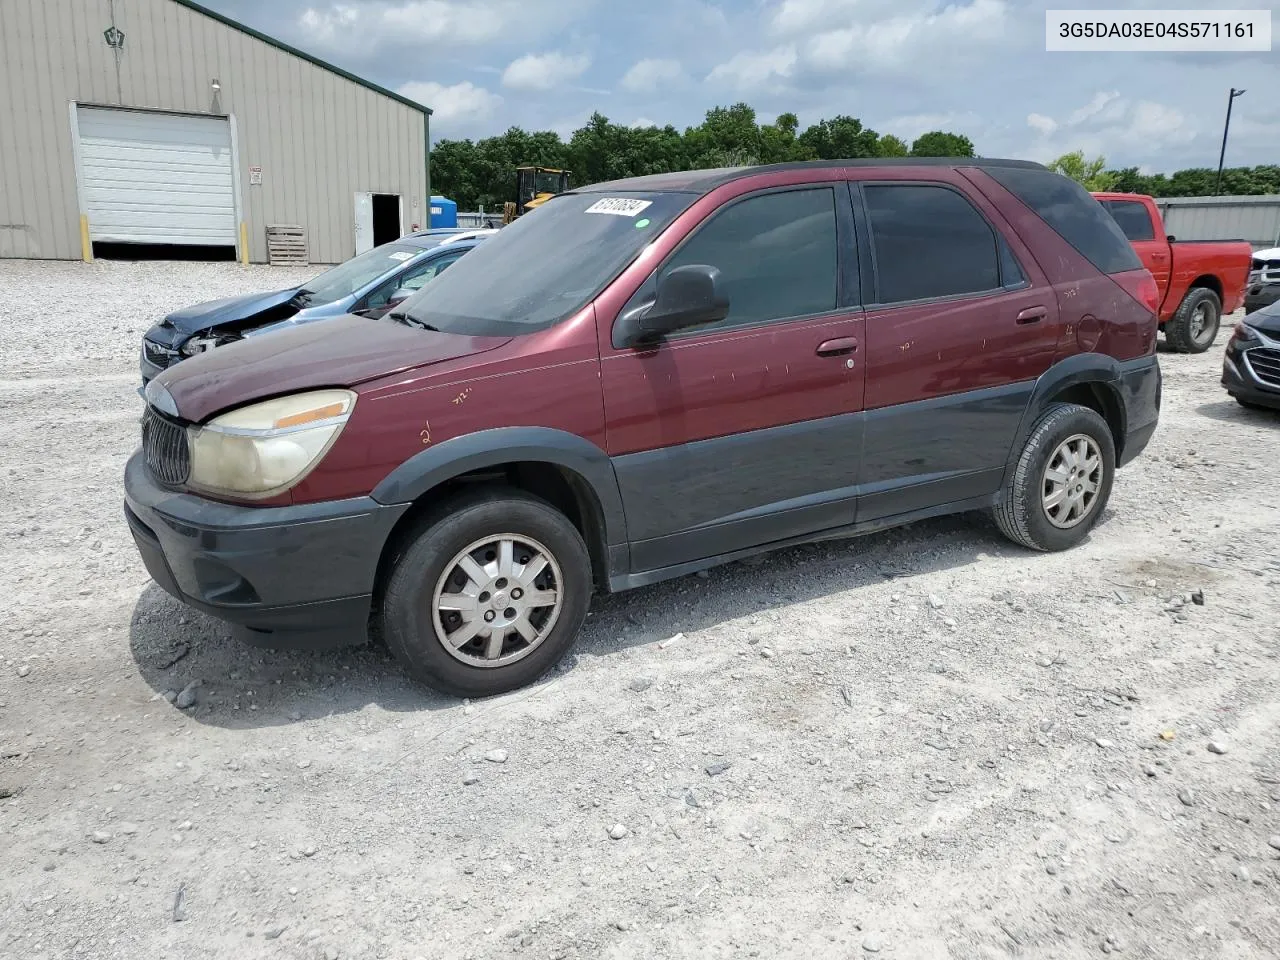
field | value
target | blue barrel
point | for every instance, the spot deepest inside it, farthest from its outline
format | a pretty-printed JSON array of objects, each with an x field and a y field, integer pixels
[{"x": 444, "y": 212}]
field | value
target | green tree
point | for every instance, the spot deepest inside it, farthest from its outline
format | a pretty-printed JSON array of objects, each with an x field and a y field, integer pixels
[
  {"x": 839, "y": 138},
  {"x": 727, "y": 136},
  {"x": 891, "y": 146},
  {"x": 778, "y": 139},
  {"x": 937, "y": 143},
  {"x": 1089, "y": 173}
]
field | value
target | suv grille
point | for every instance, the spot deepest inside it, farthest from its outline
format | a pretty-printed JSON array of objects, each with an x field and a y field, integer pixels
[
  {"x": 164, "y": 446},
  {"x": 1265, "y": 363}
]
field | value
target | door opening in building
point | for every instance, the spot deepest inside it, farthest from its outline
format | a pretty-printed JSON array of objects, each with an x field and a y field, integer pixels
[
  {"x": 386, "y": 218},
  {"x": 108, "y": 250}
]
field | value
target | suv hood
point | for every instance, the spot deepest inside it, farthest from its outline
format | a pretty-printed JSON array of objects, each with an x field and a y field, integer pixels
[
  {"x": 1267, "y": 320},
  {"x": 341, "y": 352},
  {"x": 204, "y": 316}
]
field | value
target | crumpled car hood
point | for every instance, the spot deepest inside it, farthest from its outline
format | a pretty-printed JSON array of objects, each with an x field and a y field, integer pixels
[{"x": 205, "y": 316}]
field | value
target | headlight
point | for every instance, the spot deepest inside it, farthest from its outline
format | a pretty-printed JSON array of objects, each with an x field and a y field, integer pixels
[
  {"x": 196, "y": 345},
  {"x": 265, "y": 448},
  {"x": 1243, "y": 333}
]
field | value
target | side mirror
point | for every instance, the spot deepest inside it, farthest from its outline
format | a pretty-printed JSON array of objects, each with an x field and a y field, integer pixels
[
  {"x": 688, "y": 296},
  {"x": 399, "y": 296},
  {"x": 1171, "y": 238}
]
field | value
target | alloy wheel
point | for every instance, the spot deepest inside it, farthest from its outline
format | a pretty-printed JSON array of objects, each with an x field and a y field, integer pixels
[
  {"x": 1072, "y": 480},
  {"x": 497, "y": 600}
]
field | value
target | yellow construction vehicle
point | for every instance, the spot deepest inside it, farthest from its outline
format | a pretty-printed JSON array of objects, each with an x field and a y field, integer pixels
[{"x": 534, "y": 187}]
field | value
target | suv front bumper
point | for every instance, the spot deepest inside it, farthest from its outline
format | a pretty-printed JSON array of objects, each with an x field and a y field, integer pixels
[
  {"x": 296, "y": 576},
  {"x": 1241, "y": 380}
]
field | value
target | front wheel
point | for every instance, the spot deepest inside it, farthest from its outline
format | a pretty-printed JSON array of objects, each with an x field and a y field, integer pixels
[
  {"x": 1062, "y": 481},
  {"x": 1194, "y": 327},
  {"x": 489, "y": 596}
]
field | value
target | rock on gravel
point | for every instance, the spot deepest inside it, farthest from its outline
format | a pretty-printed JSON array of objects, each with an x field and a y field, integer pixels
[
  {"x": 1217, "y": 746},
  {"x": 618, "y": 831},
  {"x": 187, "y": 696},
  {"x": 496, "y": 756}
]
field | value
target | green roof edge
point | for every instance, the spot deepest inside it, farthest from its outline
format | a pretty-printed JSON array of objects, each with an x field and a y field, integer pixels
[{"x": 325, "y": 65}]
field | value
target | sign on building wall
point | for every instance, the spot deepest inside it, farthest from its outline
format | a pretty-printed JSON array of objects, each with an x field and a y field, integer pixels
[{"x": 255, "y": 176}]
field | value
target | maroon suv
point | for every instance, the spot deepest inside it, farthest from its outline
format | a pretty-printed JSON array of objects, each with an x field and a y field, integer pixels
[{"x": 645, "y": 378}]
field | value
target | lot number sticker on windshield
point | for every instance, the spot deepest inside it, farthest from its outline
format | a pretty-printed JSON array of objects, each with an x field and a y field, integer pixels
[
  {"x": 400, "y": 256},
  {"x": 619, "y": 206}
]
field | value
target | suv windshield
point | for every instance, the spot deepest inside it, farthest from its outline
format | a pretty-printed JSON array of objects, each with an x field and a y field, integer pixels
[
  {"x": 546, "y": 265},
  {"x": 346, "y": 278}
]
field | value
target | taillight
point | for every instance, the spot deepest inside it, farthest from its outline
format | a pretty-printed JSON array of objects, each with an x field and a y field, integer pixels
[{"x": 1140, "y": 285}]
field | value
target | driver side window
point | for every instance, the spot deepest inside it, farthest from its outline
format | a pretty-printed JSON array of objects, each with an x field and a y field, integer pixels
[{"x": 776, "y": 253}]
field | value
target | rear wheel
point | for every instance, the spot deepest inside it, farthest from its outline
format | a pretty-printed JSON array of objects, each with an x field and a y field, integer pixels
[
  {"x": 1194, "y": 326},
  {"x": 1062, "y": 481},
  {"x": 489, "y": 596}
]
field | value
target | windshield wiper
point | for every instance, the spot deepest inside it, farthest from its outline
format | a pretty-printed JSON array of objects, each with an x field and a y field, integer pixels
[{"x": 411, "y": 321}]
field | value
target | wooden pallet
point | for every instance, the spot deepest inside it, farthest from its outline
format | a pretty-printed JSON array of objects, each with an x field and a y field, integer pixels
[{"x": 286, "y": 245}]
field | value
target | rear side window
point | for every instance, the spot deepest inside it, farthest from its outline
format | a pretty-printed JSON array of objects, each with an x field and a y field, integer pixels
[
  {"x": 1076, "y": 216},
  {"x": 776, "y": 254},
  {"x": 929, "y": 242},
  {"x": 1133, "y": 218}
]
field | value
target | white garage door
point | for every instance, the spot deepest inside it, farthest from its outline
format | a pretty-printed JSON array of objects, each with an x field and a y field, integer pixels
[{"x": 156, "y": 177}]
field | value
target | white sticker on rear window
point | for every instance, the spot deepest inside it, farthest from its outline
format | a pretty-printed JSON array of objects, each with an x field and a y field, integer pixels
[
  {"x": 619, "y": 206},
  {"x": 400, "y": 256}
]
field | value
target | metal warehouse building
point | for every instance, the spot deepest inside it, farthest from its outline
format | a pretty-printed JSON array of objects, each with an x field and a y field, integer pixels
[{"x": 161, "y": 122}]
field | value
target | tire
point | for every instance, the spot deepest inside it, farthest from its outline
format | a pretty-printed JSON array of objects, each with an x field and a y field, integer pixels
[
  {"x": 1023, "y": 516},
  {"x": 1194, "y": 327},
  {"x": 416, "y": 631}
]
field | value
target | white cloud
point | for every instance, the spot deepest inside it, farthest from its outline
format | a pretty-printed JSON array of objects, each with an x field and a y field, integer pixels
[
  {"x": 460, "y": 102},
  {"x": 1101, "y": 102},
  {"x": 1039, "y": 122},
  {"x": 907, "y": 41},
  {"x": 750, "y": 69},
  {"x": 544, "y": 71},
  {"x": 324, "y": 26},
  {"x": 798, "y": 17},
  {"x": 641, "y": 123},
  {"x": 1114, "y": 127},
  {"x": 646, "y": 76},
  {"x": 461, "y": 22}
]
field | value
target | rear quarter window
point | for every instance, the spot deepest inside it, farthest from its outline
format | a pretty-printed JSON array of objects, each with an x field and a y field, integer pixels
[
  {"x": 1073, "y": 214},
  {"x": 1132, "y": 217}
]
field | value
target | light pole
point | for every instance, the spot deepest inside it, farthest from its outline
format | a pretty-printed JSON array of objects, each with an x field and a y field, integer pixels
[{"x": 1217, "y": 184}]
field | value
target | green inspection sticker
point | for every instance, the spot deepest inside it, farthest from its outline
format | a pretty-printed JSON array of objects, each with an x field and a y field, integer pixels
[{"x": 641, "y": 224}]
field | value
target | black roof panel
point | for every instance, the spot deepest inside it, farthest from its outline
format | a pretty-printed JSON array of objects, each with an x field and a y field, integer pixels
[{"x": 704, "y": 181}]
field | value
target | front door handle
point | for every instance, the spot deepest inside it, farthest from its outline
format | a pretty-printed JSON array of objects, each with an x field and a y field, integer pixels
[
  {"x": 836, "y": 347},
  {"x": 1032, "y": 315}
]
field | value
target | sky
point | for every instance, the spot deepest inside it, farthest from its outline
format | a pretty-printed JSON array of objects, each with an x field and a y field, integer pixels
[{"x": 976, "y": 67}]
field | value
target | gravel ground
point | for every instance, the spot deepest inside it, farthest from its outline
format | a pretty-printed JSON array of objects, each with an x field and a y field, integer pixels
[{"x": 921, "y": 744}]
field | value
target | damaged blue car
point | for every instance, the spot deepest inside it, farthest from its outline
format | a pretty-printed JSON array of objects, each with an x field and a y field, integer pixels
[{"x": 370, "y": 284}]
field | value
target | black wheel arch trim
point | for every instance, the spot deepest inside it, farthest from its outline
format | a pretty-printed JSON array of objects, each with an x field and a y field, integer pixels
[
  {"x": 1092, "y": 369},
  {"x": 490, "y": 448}
]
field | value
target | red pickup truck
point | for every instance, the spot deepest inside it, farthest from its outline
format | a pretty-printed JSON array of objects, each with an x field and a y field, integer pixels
[{"x": 1198, "y": 281}]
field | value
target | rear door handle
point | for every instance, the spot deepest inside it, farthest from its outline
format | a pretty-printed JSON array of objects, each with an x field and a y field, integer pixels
[
  {"x": 1032, "y": 315},
  {"x": 833, "y": 348}
]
